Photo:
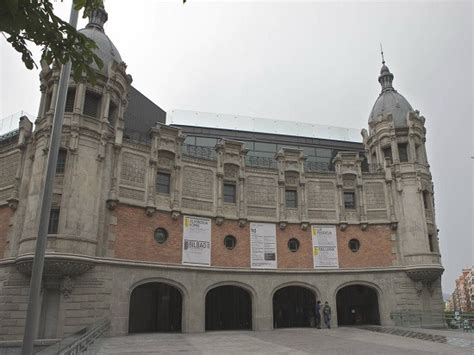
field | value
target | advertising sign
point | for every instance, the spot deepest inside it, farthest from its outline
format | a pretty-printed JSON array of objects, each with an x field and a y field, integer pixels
[
  {"x": 263, "y": 245},
  {"x": 324, "y": 247},
  {"x": 196, "y": 241}
]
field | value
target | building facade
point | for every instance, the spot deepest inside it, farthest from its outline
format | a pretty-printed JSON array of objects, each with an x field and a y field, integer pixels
[
  {"x": 463, "y": 294},
  {"x": 128, "y": 193}
]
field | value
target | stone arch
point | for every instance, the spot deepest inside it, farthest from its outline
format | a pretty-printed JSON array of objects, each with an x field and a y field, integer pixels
[
  {"x": 233, "y": 311},
  {"x": 357, "y": 303}
]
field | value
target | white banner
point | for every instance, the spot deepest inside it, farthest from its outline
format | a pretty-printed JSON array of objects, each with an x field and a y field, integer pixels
[
  {"x": 263, "y": 245},
  {"x": 196, "y": 241},
  {"x": 324, "y": 246}
]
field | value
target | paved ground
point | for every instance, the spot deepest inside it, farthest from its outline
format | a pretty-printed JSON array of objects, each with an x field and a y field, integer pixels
[{"x": 347, "y": 341}]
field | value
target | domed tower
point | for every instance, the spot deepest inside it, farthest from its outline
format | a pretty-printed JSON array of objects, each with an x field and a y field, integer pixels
[
  {"x": 396, "y": 143},
  {"x": 90, "y": 143}
]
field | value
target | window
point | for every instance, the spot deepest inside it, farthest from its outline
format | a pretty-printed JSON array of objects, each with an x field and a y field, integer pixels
[
  {"x": 354, "y": 245},
  {"x": 431, "y": 242},
  {"x": 91, "y": 104},
  {"x": 349, "y": 200},
  {"x": 291, "y": 199},
  {"x": 229, "y": 193},
  {"x": 403, "y": 153},
  {"x": 230, "y": 242},
  {"x": 47, "y": 105},
  {"x": 206, "y": 142},
  {"x": 426, "y": 200},
  {"x": 265, "y": 147},
  {"x": 293, "y": 244},
  {"x": 61, "y": 163},
  {"x": 71, "y": 93},
  {"x": 161, "y": 235},
  {"x": 112, "y": 113},
  {"x": 53, "y": 221},
  {"x": 163, "y": 183},
  {"x": 387, "y": 153}
]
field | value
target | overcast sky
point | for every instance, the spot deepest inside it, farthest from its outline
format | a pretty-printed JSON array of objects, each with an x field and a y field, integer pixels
[{"x": 303, "y": 61}]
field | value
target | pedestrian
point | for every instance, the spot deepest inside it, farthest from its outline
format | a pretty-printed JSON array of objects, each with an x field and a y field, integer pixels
[
  {"x": 327, "y": 314},
  {"x": 318, "y": 314}
]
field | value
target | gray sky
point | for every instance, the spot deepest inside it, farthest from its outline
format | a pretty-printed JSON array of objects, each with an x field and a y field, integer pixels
[{"x": 303, "y": 61}]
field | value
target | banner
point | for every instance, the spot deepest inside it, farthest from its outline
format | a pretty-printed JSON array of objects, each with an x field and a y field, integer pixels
[
  {"x": 196, "y": 241},
  {"x": 263, "y": 245},
  {"x": 324, "y": 247}
]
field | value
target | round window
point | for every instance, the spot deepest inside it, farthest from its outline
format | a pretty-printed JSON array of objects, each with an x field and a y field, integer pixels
[
  {"x": 354, "y": 245},
  {"x": 293, "y": 244},
  {"x": 230, "y": 242},
  {"x": 161, "y": 235}
]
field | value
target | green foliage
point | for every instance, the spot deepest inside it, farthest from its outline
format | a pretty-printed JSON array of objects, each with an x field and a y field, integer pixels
[{"x": 23, "y": 21}]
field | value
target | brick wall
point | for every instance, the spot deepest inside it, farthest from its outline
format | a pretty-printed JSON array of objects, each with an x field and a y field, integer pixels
[
  {"x": 5, "y": 215},
  {"x": 134, "y": 240}
]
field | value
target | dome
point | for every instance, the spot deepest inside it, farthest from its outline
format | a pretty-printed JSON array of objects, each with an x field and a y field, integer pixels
[
  {"x": 390, "y": 101},
  {"x": 94, "y": 30}
]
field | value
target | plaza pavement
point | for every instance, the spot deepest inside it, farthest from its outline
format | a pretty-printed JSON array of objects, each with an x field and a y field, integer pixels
[{"x": 347, "y": 341}]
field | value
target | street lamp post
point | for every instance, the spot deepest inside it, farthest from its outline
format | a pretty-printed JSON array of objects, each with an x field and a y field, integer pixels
[{"x": 45, "y": 198}]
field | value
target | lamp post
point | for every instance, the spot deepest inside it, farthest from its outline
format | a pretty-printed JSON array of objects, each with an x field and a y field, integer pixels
[{"x": 45, "y": 198}]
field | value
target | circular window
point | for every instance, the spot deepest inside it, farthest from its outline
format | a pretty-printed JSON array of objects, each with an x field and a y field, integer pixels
[
  {"x": 293, "y": 244},
  {"x": 354, "y": 245},
  {"x": 230, "y": 242},
  {"x": 161, "y": 235}
]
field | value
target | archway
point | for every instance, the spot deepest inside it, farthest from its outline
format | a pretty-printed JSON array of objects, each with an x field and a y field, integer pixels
[
  {"x": 357, "y": 305},
  {"x": 293, "y": 306},
  {"x": 228, "y": 308},
  {"x": 155, "y": 307}
]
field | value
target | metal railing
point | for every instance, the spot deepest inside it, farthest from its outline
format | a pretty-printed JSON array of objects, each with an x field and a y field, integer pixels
[
  {"x": 260, "y": 162},
  {"x": 198, "y": 151},
  {"x": 79, "y": 341},
  {"x": 136, "y": 136}
]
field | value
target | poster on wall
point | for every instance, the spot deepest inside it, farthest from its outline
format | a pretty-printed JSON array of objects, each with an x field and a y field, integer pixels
[
  {"x": 196, "y": 241},
  {"x": 263, "y": 245},
  {"x": 324, "y": 247}
]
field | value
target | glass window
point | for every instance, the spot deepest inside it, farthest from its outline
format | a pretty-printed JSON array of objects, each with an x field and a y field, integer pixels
[
  {"x": 191, "y": 140},
  {"x": 349, "y": 200},
  {"x": 161, "y": 235},
  {"x": 293, "y": 244},
  {"x": 229, "y": 193},
  {"x": 53, "y": 221},
  {"x": 403, "y": 153},
  {"x": 291, "y": 198},
  {"x": 230, "y": 242},
  {"x": 71, "y": 93},
  {"x": 387, "y": 153},
  {"x": 249, "y": 145},
  {"x": 61, "y": 163},
  {"x": 206, "y": 142},
  {"x": 324, "y": 152},
  {"x": 354, "y": 245},
  {"x": 262, "y": 154},
  {"x": 112, "y": 113},
  {"x": 309, "y": 151},
  {"x": 91, "y": 104},
  {"x": 163, "y": 183},
  {"x": 265, "y": 147}
]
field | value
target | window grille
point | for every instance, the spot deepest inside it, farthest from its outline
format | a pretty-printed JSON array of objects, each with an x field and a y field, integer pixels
[
  {"x": 163, "y": 181},
  {"x": 229, "y": 193},
  {"x": 291, "y": 199},
  {"x": 349, "y": 200},
  {"x": 61, "y": 163},
  {"x": 53, "y": 221}
]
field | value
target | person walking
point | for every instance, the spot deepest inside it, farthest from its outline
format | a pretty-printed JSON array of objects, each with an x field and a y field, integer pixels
[
  {"x": 327, "y": 314},
  {"x": 318, "y": 314}
]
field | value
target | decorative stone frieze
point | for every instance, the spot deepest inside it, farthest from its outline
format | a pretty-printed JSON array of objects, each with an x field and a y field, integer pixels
[{"x": 56, "y": 267}]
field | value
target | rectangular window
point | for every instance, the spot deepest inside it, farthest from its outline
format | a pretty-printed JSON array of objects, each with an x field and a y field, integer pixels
[
  {"x": 323, "y": 152},
  {"x": 291, "y": 199},
  {"x": 61, "y": 163},
  {"x": 206, "y": 142},
  {"x": 426, "y": 200},
  {"x": 112, "y": 113},
  {"x": 403, "y": 153},
  {"x": 53, "y": 221},
  {"x": 229, "y": 193},
  {"x": 71, "y": 93},
  {"x": 349, "y": 200},
  {"x": 47, "y": 105},
  {"x": 190, "y": 140},
  {"x": 265, "y": 147},
  {"x": 91, "y": 104},
  {"x": 387, "y": 153},
  {"x": 163, "y": 181},
  {"x": 431, "y": 242}
]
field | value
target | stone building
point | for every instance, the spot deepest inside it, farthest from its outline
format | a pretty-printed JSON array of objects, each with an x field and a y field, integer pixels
[
  {"x": 463, "y": 294},
  {"x": 182, "y": 228}
]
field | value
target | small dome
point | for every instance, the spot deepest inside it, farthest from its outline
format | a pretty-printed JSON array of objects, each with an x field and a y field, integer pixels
[
  {"x": 95, "y": 31},
  {"x": 390, "y": 101}
]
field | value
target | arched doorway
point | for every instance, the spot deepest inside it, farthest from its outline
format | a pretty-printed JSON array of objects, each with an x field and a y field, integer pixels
[
  {"x": 228, "y": 308},
  {"x": 155, "y": 307},
  {"x": 293, "y": 306},
  {"x": 357, "y": 305}
]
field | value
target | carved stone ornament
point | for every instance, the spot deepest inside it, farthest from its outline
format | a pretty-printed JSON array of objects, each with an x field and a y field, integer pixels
[
  {"x": 112, "y": 204},
  {"x": 419, "y": 288},
  {"x": 364, "y": 225},
  {"x": 175, "y": 214},
  {"x": 283, "y": 225},
  {"x": 66, "y": 287},
  {"x": 219, "y": 220},
  {"x": 343, "y": 226},
  {"x": 13, "y": 203},
  {"x": 242, "y": 222},
  {"x": 150, "y": 211},
  {"x": 425, "y": 274},
  {"x": 56, "y": 267},
  {"x": 304, "y": 225},
  {"x": 394, "y": 225}
]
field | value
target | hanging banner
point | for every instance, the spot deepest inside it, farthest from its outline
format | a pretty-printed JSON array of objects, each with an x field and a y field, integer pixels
[
  {"x": 196, "y": 241},
  {"x": 263, "y": 245},
  {"x": 324, "y": 247}
]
